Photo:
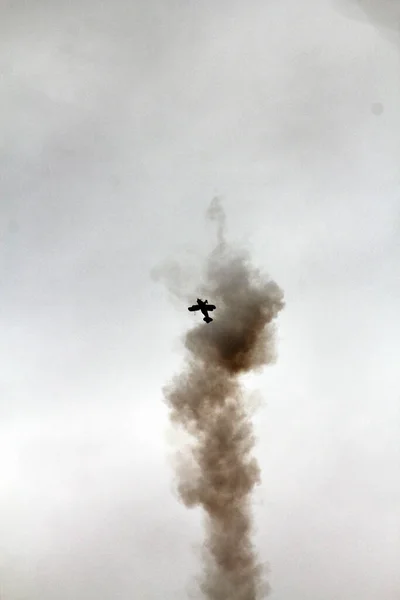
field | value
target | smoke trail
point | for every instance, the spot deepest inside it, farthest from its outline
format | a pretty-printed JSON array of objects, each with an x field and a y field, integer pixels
[
  {"x": 384, "y": 15},
  {"x": 208, "y": 401}
]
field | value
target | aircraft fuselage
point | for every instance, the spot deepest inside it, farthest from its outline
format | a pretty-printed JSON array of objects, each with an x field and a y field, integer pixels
[{"x": 204, "y": 307}]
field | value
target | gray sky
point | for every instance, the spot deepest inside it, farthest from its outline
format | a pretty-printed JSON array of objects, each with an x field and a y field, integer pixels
[{"x": 119, "y": 123}]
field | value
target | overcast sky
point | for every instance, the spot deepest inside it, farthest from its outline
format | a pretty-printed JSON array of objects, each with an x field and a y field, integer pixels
[{"x": 119, "y": 123}]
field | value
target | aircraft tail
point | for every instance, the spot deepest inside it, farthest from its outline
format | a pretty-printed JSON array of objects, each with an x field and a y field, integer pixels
[{"x": 207, "y": 319}]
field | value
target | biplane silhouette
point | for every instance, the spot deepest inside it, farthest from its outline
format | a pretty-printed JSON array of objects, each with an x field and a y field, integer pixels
[{"x": 204, "y": 307}]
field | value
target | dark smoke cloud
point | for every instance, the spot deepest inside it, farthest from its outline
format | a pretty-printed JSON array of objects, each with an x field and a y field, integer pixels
[
  {"x": 382, "y": 14},
  {"x": 207, "y": 399}
]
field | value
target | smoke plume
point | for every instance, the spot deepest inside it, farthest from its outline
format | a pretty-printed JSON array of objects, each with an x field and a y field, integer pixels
[
  {"x": 208, "y": 401},
  {"x": 384, "y": 15}
]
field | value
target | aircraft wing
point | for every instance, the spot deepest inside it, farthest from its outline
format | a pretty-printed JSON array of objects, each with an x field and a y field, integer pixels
[
  {"x": 210, "y": 307},
  {"x": 194, "y": 307}
]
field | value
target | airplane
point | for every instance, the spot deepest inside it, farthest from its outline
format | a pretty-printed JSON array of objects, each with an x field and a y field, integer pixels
[{"x": 204, "y": 307}]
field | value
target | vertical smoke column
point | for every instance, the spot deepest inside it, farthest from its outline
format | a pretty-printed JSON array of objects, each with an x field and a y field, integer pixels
[{"x": 208, "y": 401}]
